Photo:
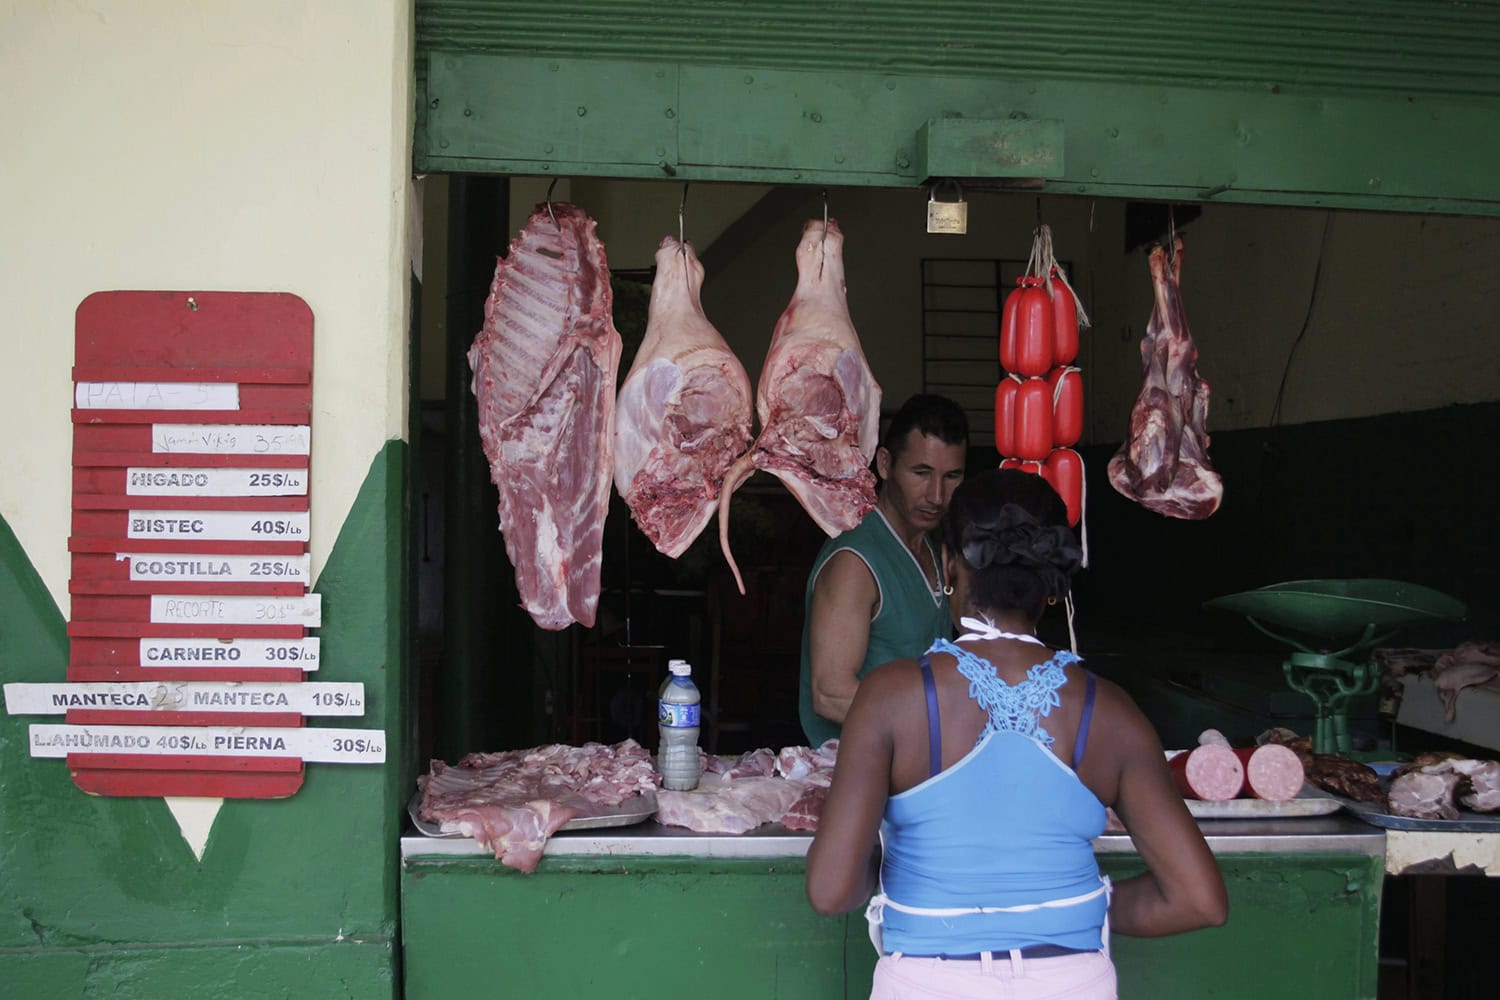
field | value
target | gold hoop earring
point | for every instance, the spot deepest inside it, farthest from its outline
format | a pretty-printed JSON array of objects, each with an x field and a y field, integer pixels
[
  {"x": 1051, "y": 601},
  {"x": 947, "y": 590}
]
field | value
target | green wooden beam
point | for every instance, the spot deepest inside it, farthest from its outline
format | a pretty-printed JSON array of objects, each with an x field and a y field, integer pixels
[
  {"x": 984, "y": 147},
  {"x": 613, "y": 118}
]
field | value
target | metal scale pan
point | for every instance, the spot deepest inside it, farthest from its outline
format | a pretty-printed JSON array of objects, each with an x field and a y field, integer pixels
[{"x": 1334, "y": 625}]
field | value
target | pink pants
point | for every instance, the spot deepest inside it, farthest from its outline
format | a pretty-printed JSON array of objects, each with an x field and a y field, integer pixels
[{"x": 1087, "y": 976}]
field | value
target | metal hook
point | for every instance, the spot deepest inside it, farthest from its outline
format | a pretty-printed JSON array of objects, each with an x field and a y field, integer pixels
[
  {"x": 824, "y": 242},
  {"x": 681, "y": 209},
  {"x": 549, "y": 204}
]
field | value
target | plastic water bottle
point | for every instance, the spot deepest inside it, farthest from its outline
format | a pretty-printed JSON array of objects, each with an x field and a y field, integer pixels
[{"x": 678, "y": 710}]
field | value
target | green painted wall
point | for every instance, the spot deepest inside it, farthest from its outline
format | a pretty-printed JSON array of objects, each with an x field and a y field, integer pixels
[
  {"x": 293, "y": 898},
  {"x": 1381, "y": 106},
  {"x": 1300, "y": 925}
]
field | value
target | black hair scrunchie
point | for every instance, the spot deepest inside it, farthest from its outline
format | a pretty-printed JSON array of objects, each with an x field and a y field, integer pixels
[{"x": 1015, "y": 537}]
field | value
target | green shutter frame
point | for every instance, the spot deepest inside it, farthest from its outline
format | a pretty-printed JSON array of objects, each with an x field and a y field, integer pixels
[{"x": 1376, "y": 105}]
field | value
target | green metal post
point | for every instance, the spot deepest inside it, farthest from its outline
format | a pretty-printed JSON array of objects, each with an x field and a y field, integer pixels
[{"x": 483, "y": 689}]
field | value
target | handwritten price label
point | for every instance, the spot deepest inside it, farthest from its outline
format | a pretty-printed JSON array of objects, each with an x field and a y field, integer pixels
[{"x": 231, "y": 439}]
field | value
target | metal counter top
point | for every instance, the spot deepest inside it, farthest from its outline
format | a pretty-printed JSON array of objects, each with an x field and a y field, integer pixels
[{"x": 1308, "y": 835}]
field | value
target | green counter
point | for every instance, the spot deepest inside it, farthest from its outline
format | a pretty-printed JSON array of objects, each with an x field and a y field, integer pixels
[{"x": 653, "y": 913}]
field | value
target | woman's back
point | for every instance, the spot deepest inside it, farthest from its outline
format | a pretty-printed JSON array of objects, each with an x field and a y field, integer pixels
[
  {"x": 997, "y": 845},
  {"x": 1005, "y": 831}
]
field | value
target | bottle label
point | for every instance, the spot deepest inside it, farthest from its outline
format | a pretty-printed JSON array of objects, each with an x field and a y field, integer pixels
[{"x": 677, "y": 716}]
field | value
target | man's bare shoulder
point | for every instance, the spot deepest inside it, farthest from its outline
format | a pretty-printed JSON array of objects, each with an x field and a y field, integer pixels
[{"x": 847, "y": 579}]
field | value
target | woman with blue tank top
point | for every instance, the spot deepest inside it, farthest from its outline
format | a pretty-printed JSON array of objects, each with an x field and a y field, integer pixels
[{"x": 984, "y": 769}]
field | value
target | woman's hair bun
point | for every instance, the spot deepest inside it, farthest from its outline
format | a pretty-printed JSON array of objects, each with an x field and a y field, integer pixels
[
  {"x": 1013, "y": 518},
  {"x": 1013, "y": 536}
]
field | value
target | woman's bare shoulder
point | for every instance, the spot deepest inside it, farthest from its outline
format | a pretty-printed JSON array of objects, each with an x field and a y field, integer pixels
[
  {"x": 1121, "y": 721},
  {"x": 891, "y": 679}
]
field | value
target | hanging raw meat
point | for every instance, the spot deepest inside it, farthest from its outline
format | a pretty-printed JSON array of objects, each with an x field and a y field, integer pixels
[
  {"x": 683, "y": 415},
  {"x": 819, "y": 406},
  {"x": 544, "y": 373},
  {"x": 1164, "y": 465}
]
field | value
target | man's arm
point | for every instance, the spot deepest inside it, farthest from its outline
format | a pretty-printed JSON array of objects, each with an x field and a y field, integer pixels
[
  {"x": 843, "y": 865},
  {"x": 843, "y": 602}
]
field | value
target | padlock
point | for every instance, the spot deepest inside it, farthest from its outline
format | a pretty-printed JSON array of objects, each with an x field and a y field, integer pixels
[{"x": 947, "y": 217}]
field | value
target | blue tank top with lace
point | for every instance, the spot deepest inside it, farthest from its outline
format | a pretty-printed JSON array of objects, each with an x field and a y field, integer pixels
[{"x": 1007, "y": 828}]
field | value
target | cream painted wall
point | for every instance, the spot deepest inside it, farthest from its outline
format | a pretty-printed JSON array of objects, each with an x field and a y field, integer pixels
[{"x": 255, "y": 145}]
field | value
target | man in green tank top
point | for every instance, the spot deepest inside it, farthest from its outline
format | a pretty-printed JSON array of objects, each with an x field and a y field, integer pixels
[{"x": 875, "y": 593}]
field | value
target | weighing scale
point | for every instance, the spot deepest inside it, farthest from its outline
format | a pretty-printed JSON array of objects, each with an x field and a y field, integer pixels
[{"x": 1353, "y": 615}]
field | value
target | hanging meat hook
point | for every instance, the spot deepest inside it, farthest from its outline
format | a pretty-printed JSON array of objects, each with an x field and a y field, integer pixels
[
  {"x": 681, "y": 208},
  {"x": 550, "y": 213},
  {"x": 823, "y": 245}
]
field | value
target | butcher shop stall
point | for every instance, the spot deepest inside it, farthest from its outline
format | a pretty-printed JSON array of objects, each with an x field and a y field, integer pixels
[{"x": 1224, "y": 286}]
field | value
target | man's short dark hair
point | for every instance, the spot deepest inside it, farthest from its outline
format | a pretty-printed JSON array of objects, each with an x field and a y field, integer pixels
[{"x": 928, "y": 413}]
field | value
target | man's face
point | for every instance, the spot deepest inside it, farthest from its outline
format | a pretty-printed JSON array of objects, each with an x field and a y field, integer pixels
[{"x": 921, "y": 477}]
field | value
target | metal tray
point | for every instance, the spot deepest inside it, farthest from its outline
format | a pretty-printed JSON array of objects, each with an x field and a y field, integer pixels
[
  {"x": 1309, "y": 802},
  {"x": 1467, "y": 822},
  {"x": 636, "y": 809}
]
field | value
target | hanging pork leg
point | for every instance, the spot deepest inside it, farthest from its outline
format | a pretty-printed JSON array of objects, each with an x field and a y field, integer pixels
[
  {"x": 683, "y": 415},
  {"x": 818, "y": 403}
]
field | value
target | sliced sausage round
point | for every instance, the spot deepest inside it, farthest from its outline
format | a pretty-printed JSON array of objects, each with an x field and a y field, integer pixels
[
  {"x": 1212, "y": 773},
  {"x": 1272, "y": 772}
]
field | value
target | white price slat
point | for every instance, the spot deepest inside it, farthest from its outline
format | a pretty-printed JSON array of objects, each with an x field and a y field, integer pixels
[
  {"x": 302, "y": 653},
  {"x": 220, "y": 525},
  {"x": 311, "y": 698},
  {"x": 231, "y": 439},
  {"x": 144, "y": 481},
  {"x": 326, "y": 746},
  {"x": 157, "y": 396},
  {"x": 217, "y": 568},
  {"x": 195, "y": 609}
]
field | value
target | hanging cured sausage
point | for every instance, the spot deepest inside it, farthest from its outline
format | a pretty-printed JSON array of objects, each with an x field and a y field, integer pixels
[
  {"x": 1005, "y": 416},
  {"x": 1026, "y": 329},
  {"x": 1064, "y": 471},
  {"x": 1064, "y": 319},
  {"x": 1039, "y": 403},
  {"x": 1067, "y": 405}
]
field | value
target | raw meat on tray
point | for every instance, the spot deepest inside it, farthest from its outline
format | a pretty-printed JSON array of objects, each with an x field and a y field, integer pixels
[
  {"x": 511, "y": 802},
  {"x": 759, "y": 787},
  {"x": 751, "y": 764},
  {"x": 735, "y": 807}
]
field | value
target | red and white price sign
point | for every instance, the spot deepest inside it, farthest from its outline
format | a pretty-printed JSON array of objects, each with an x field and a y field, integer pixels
[{"x": 192, "y": 442}]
